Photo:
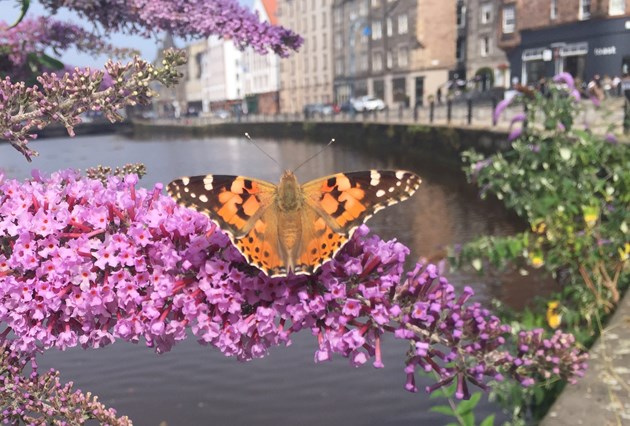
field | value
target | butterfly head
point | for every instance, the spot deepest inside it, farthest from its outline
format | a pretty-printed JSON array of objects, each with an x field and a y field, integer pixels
[{"x": 288, "y": 191}]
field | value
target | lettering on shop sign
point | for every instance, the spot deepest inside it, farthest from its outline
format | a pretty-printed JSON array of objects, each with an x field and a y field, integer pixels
[{"x": 604, "y": 51}]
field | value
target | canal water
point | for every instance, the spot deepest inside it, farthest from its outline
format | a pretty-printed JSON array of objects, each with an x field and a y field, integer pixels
[{"x": 196, "y": 385}]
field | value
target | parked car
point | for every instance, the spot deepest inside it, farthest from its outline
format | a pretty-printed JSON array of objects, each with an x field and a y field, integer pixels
[
  {"x": 222, "y": 114},
  {"x": 318, "y": 110},
  {"x": 367, "y": 103}
]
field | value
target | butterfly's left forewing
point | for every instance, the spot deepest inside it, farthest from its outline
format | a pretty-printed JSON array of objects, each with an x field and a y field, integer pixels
[{"x": 235, "y": 203}]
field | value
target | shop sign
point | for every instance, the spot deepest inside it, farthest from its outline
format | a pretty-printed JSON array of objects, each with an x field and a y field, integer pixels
[{"x": 605, "y": 51}]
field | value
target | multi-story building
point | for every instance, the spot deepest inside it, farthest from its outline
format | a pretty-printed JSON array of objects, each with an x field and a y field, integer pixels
[
  {"x": 261, "y": 85},
  {"x": 194, "y": 82},
  {"x": 485, "y": 61},
  {"x": 397, "y": 50},
  {"x": 582, "y": 37},
  {"x": 222, "y": 75},
  {"x": 306, "y": 76},
  {"x": 214, "y": 76},
  {"x": 171, "y": 101}
]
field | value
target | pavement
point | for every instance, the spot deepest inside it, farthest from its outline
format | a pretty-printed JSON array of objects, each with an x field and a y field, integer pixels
[{"x": 602, "y": 396}]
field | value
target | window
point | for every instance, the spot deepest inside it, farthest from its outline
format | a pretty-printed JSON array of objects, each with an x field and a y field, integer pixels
[
  {"x": 461, "y": 15},
  {"x": 403, "y": 57},
  {"x": 553, "y": 13},
  {"x": 402, "y": 24},
  {"x": 390, "y": 60},
  {"x": 390, "y": 29},
  {"x": 460, "y": 48},
  {"x": 338, "y": 15},
  {"x": 325, "y": 61},
  {"x": 339, "y": 66},
  {"x": 199, "y": 64},
  {"x": 363, "y": 62},
  {"x": 376, "y": 30},
  {"x": 338, "y": 41},
  {"x": 376, "y": 3},
  {"x": 324, "y": 40},
  {"x": 363, "y": 7},
  {"x": 486, "y": 13},
  {"x": 377, "y": 61},
  {"x": 315, "y": 42},
  {"x": 585, "y": 9},
  {"x": 617, "y": 7},
  {"x": 313, "y": 23},
  {"x": 485, "y": 46},
  {"x": 324, "y": 20},
  {"x": 509, "y": 19}
]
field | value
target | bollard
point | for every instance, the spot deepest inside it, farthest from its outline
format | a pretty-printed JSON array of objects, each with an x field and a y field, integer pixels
[
  {"x": 400, "y": 112},
  {"x": 431, "y": 111},
  {"x": 626, "y": 117},
  {"x": 449, "y": 111},
  {"x": 469, "y": 117},
  {"x": 415, "y": 113}
]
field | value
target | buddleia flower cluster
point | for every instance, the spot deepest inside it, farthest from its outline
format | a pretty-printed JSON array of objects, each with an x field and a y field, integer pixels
[
  {"x": 186, "y": 18},
  {"x": 86, "y": 263},
  {"x": 63, "y": 98},
  {"x": 41, "y": 399}
]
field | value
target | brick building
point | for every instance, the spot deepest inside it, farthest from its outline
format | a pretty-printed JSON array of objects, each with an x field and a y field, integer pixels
[
  {"x": 485, "y": 61},
  {"x": 582, "y": 37},
  {"x": 399, "y": 51},
  {"x": 306, "y": 76}
]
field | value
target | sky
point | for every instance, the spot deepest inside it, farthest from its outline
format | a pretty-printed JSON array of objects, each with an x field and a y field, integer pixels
[{"x": 147, "y": 47}]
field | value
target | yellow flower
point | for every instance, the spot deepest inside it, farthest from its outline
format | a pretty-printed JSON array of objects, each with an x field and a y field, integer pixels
[
  {"x": 554, "y": 318},
  {"x": 591, "y": 214},
  {"x": 624, "y": 252},
  {"x": 539, "y": 226},
  {"x": 537, "y": 260}
]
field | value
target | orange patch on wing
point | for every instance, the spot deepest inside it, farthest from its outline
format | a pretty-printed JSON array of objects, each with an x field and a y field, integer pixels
[
  {"x": 329, "y": 204},
  {"x": 251, "y": 206},
  {"x": 356, "y": 193},
  {"x": 226, "y": 196},
  {"x": 343, "y": 183},
  {"x": 260, "y": 226},
  {"x": 237, "y": 186},
  {"x": 320, "y": 224}
]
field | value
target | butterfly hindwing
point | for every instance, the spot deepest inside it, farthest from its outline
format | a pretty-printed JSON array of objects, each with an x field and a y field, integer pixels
[
  {"x": 320, "y": 242},
  {"x": 346, "y": 200},
  {"x": 234, "y": 202}
]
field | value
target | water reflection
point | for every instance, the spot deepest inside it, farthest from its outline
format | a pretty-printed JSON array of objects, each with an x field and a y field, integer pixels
[{"x": 196, "y": 385}]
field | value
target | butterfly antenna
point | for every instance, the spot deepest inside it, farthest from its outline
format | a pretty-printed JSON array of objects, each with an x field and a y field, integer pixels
[
  {"x": 314, "y": 155},
  {"x": 261, "y": 150}
]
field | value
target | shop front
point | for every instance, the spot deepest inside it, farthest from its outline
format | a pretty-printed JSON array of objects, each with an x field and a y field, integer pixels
[{"x": 583, "y": 49}]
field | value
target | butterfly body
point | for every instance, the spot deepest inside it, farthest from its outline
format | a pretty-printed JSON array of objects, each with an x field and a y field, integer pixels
[{"x": 292, "y": 228}]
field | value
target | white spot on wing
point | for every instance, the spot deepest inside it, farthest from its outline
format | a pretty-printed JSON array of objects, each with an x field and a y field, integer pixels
[
  {"x": 380, "y": 193},
  {"x": 203, "y": 198},
  {"x": 375, "y": 177},
  {"x": 400, "y": 174},
  {"x": 185, "y": 180},
  {"x": 207, "y": 182}
]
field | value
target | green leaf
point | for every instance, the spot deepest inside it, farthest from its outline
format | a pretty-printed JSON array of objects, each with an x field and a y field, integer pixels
[
  {"x": 488, "y": 421},
  {"x": 443, "y": 409},
  {"x": 466, "y": 407},
  {"x": 50, "y": 63},
  {"x": 23, "y": 10}
]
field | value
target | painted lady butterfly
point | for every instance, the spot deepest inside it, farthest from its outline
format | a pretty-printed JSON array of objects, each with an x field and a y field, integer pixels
[{"x": 292, "y": 227}]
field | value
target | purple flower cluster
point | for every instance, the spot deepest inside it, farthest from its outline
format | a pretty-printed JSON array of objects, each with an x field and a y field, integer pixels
[
  {"x": 62, "y": 98},
  {"x": 41, "y": 399},
  {"x": 35, "y": 35},
  {"x": 186, "y": 18},
  {"x": 86, "y": 263}
]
